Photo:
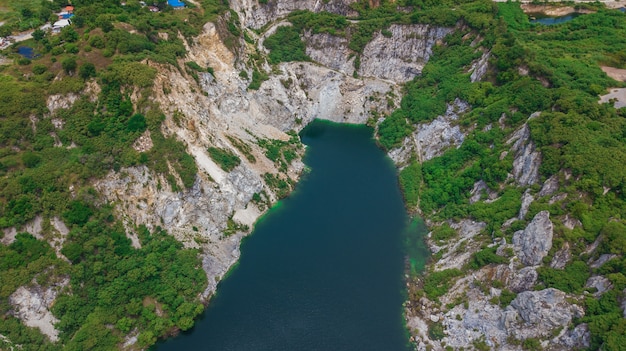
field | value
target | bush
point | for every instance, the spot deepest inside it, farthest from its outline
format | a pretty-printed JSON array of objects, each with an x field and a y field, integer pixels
[
  {"x": 87, "y": 70},
  {"x": 78, "y": 213},
  {"x": 224, "y": 158},
  {"x": 570, "y": 280},
  {"x": 69, "y": 65},
  {"x": 285, "y": 45}
]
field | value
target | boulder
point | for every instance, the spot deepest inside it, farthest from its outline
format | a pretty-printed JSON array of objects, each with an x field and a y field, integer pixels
[
  {"x": 547, "y": 308},
  {"x": 532, "y": 244}
]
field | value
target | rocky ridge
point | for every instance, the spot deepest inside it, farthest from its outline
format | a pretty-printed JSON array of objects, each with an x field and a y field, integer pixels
[{"x": 471, "y": 311}]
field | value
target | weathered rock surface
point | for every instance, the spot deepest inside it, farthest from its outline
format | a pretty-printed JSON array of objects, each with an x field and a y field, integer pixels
[
  {"x": 532, "y": 244},
  {"x": 523, "y": 280},
  {"x": 431, "y": 139},
  {"x": 404, "y": 53},
  {"x": 32, "y": 304},
  {"x": 562, "y": 257},
  {"x": 546, "y": 308},
  {"x": 479, "y": 68},
  {"x": 527, "y": 158},
  {"x": 600, "y": 283},
  {"x": 220, "y": 107},
  {"x": 256, "y": 15},
  {"x": 550, "y": 186},
  {"x": 527, "y": 199},
  {"x": 458, "y": 252},
  {"x": 331, "y": 51}
]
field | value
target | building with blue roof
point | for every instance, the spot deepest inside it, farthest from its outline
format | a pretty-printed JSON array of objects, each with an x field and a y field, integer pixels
[{"x": 177, "y": 4}]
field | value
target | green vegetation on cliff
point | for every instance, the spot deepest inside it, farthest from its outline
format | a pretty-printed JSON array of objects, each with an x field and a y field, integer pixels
[
  {"x": 554, "y": 70},
  {"x": 49, "y": 159}
]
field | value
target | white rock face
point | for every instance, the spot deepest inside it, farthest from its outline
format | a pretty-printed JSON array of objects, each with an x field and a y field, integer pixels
[
  {"x": 431, "y": 139},
  {"x": 546, "y": 308},
  {"x": 532, "y": 244},
  {"x": 454, "y": 257},
  {"x": 256, "y": 15},
  {"x": 561, "y": 257},
  {"x": 404, "y": 54},
  {"x": 523, "y": 280},
  {"x": 527, "y": 158},
  {"x": 481, "y": 188},
  {"x": 331, "y": 51},
  {"x": 479, "y": 68},
  {"x": 600, "y": 283},
  {"x": 550, "y": 186},
  {"x": 31, "y": 304},
  {"x": 527, "y": 199}
]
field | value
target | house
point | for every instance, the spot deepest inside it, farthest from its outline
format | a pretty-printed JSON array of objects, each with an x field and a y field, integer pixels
[
  {"x": 60, "y": 24},
  {"x": 153, "y": 8},
  {"x": 69, "y": 9},
  {"x": 176, "y": 4},
  {"x": 65, "y": 15}
]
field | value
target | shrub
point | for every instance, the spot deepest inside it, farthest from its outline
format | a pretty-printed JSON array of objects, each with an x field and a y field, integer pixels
[
  {"x": 69, "y": 65},
  {"x": 285, "y": 45},
  {"x": 224, "y": 158}
]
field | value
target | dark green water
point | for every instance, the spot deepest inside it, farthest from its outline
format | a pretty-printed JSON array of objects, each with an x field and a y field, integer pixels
[{"x": 323, "y": 270}]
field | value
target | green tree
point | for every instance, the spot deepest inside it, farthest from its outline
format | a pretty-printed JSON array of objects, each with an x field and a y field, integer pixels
[
  {"x": 69, "y": 65},
  {"x": 38, "y": 34},
  {"x": 87, "y": 70}
]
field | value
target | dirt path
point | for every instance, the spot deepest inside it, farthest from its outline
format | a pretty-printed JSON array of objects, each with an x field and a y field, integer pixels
[{"x": 615, "y": 73}]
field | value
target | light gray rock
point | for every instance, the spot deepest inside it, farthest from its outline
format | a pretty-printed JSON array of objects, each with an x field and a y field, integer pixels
[
  {"x": 527, "y": 199},
  {"x": 577, "y": 338},
  {"x": 431, "y": 139},
  {"x": 604, "y": 258},
  {"x": 479, "y": 68},
  {"x": 523, "y": 280},
  {"x": 31, "y": 304},
  {"x": 561, "y": 257},
  {"x": 403, "y": 55},
  {"x": 547, "y": 307},
  {"x": 480, "y": 189},
  {"x": 331, "y": 51},
  {"x": 532, "y": 244},
  {"x": 570, "y": 222},
  {"x": 550, "y": 186},
  {"x": 527, "y": 158},
  {"x": 435, "y": 137},
  {"x": 256, "y": 15},
  {"x": 600, "y": 283}
]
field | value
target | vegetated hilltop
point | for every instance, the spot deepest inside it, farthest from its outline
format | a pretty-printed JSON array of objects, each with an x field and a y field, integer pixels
[{"x": 132, "y": 128}]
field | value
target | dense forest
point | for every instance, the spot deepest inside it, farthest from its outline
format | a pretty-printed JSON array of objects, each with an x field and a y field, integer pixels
[{"x": 116, "y": 289}]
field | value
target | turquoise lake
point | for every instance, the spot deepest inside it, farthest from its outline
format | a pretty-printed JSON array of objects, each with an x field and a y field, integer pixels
[{"x": 323, "y": 270}]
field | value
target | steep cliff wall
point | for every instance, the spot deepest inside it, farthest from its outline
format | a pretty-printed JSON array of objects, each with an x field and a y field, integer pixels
[
  {"x": 256, "y": 14},
  {"x": 219, "y": 111}
]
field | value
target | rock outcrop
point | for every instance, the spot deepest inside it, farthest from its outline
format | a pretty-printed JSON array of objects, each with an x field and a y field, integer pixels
[
  {"x": 403, "y": 54},
  {"x": 32, "y": 304},
  {"x": 532, "y": 244},
  {"x": 527, "y": 158},
  {"x": 431, "y": 139},
  {"x": 254, "y": 14}
]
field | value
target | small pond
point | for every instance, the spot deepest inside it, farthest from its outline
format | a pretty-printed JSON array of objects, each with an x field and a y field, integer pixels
[
  {"x": 26, "y": 51},
  {"x": 548, "y": 21}
]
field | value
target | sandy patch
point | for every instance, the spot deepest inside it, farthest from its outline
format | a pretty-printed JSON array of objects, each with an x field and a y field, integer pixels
[
  {"x": 615, "y": 73},
  {"x": 247, "y": 216},
  {"x": 616, "y": 94}
]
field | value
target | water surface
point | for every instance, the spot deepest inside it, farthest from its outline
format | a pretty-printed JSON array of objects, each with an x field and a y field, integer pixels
[
  {"x": 548, "y": 21},
  {"x": 324, "y": 269}
]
